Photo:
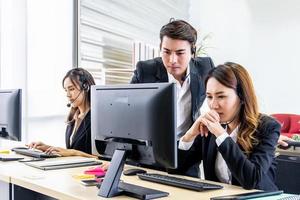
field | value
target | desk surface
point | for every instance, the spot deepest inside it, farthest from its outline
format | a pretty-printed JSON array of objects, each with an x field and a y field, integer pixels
[
  {"x": 61, "y": 185},
  {"x": 290, "y": 151}
]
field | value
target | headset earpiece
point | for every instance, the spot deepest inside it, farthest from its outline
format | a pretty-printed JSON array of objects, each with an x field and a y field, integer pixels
[
  {"x": 85, "y": 87},
  {"x": 83, "y": 81},
  {"x": 193, "y": 50}
]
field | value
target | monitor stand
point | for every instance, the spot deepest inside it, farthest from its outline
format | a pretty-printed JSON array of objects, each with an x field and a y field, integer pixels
[{"x": 111, "y": 185}]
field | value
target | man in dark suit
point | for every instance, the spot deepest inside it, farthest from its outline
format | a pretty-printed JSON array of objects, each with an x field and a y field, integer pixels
[{"x": 178, "y": 64}]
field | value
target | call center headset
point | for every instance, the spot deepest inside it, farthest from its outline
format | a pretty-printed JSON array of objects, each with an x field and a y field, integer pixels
[
  {"x": 83, "y": 83},
  {"x": 193, "y": 44},
  {"x": 193, "y": 34}
]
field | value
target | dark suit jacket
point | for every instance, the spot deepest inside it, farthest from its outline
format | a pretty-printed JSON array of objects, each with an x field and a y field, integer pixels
[
  {"x": 256, "y": 171},
  {"x": 82, "y": 138},
  {"x": 154, "y": 71}
]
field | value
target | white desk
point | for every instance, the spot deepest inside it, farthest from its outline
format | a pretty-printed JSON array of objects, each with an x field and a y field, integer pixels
[{"x": 61, "y": 185}]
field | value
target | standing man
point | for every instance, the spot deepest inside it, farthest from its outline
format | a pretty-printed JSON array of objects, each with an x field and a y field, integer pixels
[{"x": 179, "y": 64}]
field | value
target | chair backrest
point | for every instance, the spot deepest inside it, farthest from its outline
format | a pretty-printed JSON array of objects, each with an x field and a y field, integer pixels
[{"x": 284, "y": 120}]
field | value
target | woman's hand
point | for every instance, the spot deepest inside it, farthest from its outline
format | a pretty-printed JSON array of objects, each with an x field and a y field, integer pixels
[
  {"x": 208, "y": 122},
  {"x": 282, "y": 139},
  {"x": 211, "y": 120},
  {"x": 105, "y": 166},
  {"x": 200, "y": 126},
  {"x": 69, "y": 152},
  {"x": 38, "y": 145},
  {"x": 196, "y": 129},
  {"x": 60, "y": 151}
]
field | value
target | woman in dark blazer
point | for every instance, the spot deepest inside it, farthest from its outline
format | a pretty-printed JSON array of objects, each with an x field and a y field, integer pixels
[
  {"x": 77, "y": 83},
  {"x": 235, "y": 142}
]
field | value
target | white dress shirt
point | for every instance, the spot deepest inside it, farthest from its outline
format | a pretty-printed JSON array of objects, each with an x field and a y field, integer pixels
[
  {"x": 184, "y": 103},
  {"x": 221, "y": 168}
]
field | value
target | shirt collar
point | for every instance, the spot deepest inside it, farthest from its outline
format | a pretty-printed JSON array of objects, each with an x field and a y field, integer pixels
[
  {"x": 234, "y": 133},
  {"x": 82, "y": 116},
  {"x": 187, "y": 74}
]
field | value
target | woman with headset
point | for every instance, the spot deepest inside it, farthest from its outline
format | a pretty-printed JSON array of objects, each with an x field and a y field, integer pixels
[
  {"x": 77, "y": 83},
  {"x": 233, "y": 139}
]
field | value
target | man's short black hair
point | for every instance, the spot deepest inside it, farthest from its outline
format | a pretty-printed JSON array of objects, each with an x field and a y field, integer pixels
[{"x": 180, "y": 30}]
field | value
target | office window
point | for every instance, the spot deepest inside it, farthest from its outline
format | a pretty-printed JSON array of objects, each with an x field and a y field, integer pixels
[
  {"x": 35, "y": 53},
  {"x": 113, "y": 35}
]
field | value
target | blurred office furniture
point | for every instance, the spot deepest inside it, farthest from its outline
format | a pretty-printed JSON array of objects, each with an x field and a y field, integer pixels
[
  {"x": 288, "y": 173},
  {"x": 290, "y": 123}
]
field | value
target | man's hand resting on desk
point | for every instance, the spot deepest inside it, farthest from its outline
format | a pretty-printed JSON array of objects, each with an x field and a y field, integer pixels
[{"x": 38, "y": 145}]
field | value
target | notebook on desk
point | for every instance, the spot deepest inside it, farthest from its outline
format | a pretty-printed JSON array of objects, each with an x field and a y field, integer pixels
[{"x": 65, "y": 162}]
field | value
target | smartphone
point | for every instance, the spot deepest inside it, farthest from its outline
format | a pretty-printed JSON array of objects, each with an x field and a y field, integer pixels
[
  {"x": 31, "y": 159},
  {"x": 91, "y": 182}
]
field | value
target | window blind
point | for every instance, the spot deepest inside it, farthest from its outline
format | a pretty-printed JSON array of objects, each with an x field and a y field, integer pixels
[{"x": 113, "y": 35}]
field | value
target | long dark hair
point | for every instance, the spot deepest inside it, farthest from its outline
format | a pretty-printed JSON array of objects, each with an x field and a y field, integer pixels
[
  {"x": 85, "y": 80},
  {"x": 235, "y": 76}
]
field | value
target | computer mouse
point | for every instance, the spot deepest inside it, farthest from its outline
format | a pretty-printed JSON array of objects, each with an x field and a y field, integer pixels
[
  {"x": 293, "y": 143},
  {"x": 132, "y": 172},
  {"x": 290, "y": 144}
]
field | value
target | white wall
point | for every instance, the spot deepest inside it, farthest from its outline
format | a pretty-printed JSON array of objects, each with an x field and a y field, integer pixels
[
  {"x": 262, "y": 35},
  {"x": 36, "y": 52},
  {"x": 13, "y": 43},
  {"x": 13, "y": 46},
  {"x": 49, "y": 30}
]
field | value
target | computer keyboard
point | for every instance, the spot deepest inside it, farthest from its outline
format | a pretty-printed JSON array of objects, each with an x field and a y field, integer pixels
[
  {"x": 179, "y": 182},
  {"x": 33, "y": 153}
]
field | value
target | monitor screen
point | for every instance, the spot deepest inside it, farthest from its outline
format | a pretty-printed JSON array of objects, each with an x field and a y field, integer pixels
[
  {"x": 10, "y": 114},
  {"x": 137, "y": 118}
]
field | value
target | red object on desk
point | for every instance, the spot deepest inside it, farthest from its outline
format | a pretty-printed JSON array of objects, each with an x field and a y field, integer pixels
[{"x": 97, "y": 171}]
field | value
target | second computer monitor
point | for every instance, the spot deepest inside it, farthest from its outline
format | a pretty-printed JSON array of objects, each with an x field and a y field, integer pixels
[
  {"x": 10, "y": 114},
  {"x": 140, "y": 118}
]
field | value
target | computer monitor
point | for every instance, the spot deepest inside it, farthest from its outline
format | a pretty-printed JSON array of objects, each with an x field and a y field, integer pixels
[
  {"x": 138, "y": 123},
  {"x": 10, "y": 114}
]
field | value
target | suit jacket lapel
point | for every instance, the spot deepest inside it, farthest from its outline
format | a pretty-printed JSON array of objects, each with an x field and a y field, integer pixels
[
  {"x": 212, "y": 149},
  {"x": 68, "y": 134},
  {"x": 82, "y": 128},
  {"x": 194, "y": 86},
  {"x": 209, "y": 157},
  {"x": 161, "y": 72}
]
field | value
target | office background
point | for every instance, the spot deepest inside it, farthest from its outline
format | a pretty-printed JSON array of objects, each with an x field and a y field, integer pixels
[{"x": 38, "y": 46}]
